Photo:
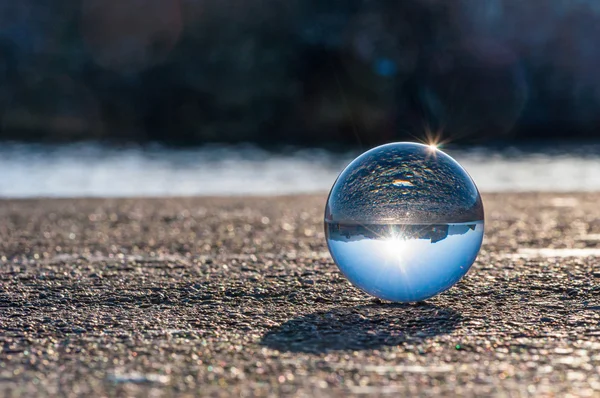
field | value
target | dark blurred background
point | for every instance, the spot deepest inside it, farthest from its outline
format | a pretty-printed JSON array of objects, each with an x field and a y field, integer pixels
[{"x": 301, "y": 72}]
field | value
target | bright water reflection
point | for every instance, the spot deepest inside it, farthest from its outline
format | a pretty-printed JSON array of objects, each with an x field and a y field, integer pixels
[{"x": 101, "y": 171}]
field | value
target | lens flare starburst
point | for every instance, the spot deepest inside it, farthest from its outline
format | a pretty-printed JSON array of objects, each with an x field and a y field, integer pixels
[{"x": 395, "y": 246}]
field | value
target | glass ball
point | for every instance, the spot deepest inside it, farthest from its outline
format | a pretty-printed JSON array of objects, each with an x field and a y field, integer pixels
[{"x": 404, "y": 222}]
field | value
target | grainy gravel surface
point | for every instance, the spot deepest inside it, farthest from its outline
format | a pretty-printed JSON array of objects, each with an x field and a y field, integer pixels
[{"x": 238, "y": 296}]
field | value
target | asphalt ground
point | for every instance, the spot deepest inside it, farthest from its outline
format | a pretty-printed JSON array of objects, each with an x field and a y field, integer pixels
[{"x": 239, "y": 297}]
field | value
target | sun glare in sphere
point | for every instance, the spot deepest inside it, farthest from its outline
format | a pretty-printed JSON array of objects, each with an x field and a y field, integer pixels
[{"x": 396, "y": 246}]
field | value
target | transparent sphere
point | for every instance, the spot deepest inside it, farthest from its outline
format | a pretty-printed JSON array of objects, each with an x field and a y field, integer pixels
[{"x": 404, "y": 222}]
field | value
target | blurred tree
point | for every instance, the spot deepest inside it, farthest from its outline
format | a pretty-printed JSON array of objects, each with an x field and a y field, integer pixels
[{"x": 341, "y": 72}]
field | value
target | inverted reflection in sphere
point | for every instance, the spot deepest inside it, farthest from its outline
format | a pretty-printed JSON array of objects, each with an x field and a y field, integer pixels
[{"x": 404, "y": 222}]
